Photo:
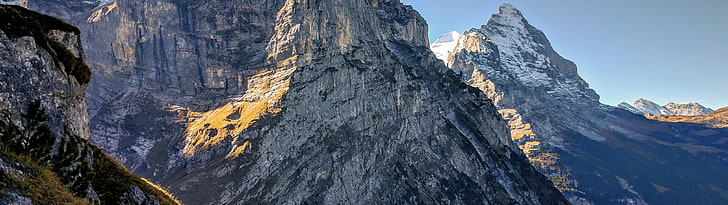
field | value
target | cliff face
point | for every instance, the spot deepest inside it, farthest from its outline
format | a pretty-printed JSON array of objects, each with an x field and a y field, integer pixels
[
  {"x": 369, "y": 116},
  {"x": 295, "y": 101},
  {"x": 166, "y": 62},
  {"x": 44, "y": 124},
  {"x": 594, "y": 153}
]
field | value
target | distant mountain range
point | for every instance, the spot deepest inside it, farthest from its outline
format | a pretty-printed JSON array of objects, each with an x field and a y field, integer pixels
[
  {"x": 647, "y": 107},
  {"x": 717, "y": 119}
]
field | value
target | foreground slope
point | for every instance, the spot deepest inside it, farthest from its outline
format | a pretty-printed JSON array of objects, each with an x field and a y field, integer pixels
[
  {"x": 44, "y": 155},
  {"x": 595, "y": 154}
]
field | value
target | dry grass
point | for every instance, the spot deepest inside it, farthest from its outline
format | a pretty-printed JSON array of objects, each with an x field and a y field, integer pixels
[{"x": 212, "y": 127}]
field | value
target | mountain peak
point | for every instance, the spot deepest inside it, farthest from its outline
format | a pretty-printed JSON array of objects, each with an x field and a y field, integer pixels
[
  {"x": 520, "y": 54},
  {"x": 507, "y": 9}
]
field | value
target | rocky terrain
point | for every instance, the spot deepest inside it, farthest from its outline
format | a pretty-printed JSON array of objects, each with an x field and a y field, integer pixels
[
  {"x": 649, "y": 108},
  {"x": 45, "y": 157},
  {"x": 594, "y": 153},
  {"x": 293, "y": 102}
]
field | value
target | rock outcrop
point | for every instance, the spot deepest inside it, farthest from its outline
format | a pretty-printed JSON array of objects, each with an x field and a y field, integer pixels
[
  {"x": 594, "y": 153},
  {"x": 44, "y": 153}
]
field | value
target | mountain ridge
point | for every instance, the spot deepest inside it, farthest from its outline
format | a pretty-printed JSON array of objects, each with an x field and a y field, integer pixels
[
  {"x": 716, "y": 119},
  {"x": 594, "y": 153},
  {"x": 646, "y": 107}
]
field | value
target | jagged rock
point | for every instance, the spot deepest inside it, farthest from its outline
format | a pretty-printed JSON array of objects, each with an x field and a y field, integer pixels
[
  {"x": 594, "y": 153},
  {"x": 135, "y": 195},
  {"x": 43, "y": 116}
]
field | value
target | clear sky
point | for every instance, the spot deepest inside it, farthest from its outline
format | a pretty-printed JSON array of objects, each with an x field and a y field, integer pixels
[{"x": 661, "y": 50}]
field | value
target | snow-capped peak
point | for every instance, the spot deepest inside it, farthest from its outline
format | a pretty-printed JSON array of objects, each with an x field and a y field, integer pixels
[{"x": 444, "y": 45}]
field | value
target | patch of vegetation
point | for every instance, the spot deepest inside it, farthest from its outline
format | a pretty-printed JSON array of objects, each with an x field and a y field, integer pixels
[
  {"x": 32, "y": 143},
  {"x": 562, "y": 179},
  {"x": 42, "y": 186},
  {"x": 19, "y": 22}
]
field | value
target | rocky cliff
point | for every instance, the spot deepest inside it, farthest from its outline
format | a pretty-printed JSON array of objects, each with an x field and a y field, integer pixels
[
  {"x": 44, "y": 153},
  {"x": 294, "y": 101},
  {"x": 594, "y": 153}
]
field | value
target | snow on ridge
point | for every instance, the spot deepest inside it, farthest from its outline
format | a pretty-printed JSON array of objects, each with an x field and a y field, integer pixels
[
  {"x": 444, "y": 45},
  {"x": 646, "y": 107},
  {"x": 508, "y": 30}
]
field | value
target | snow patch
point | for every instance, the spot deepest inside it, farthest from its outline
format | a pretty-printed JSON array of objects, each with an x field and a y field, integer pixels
[{"x": 444, "y": 45}]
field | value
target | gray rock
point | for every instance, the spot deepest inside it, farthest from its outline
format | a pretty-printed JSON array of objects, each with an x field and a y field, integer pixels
[
  {"x": 42, "y": 64},
  {"x": 296, "y": 102},
  {"x": 14, "y": 198},
  {"x": 135, "y": 196}
]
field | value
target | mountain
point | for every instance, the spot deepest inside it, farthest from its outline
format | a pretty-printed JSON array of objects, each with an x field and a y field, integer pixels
[
  {"x": 45, "y": 157},
  {"x": 294, "y": 101},
  {"x": 593, "y": 153},
  {"x": 717, "y": 119},
  {"x": 443, "y": 46},
  {"x": 646, "y": 107},
  {"x": 687, "y": 109}
]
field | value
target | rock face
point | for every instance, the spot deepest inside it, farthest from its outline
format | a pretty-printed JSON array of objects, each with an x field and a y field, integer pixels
[
  {"x": 167, "y": 63},
  {"x": 44, "y": 120},
  {"x": 294, "y": 101},
  {"x": 649, "y": 108},
  {"x": 594, "y": 153}
]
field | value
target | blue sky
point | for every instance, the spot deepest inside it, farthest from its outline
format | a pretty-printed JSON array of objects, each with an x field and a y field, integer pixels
[{"x": 662, "y": 50}]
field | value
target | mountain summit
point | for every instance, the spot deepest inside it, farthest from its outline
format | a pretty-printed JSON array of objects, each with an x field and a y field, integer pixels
[{"x": 594, "y": 153}]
